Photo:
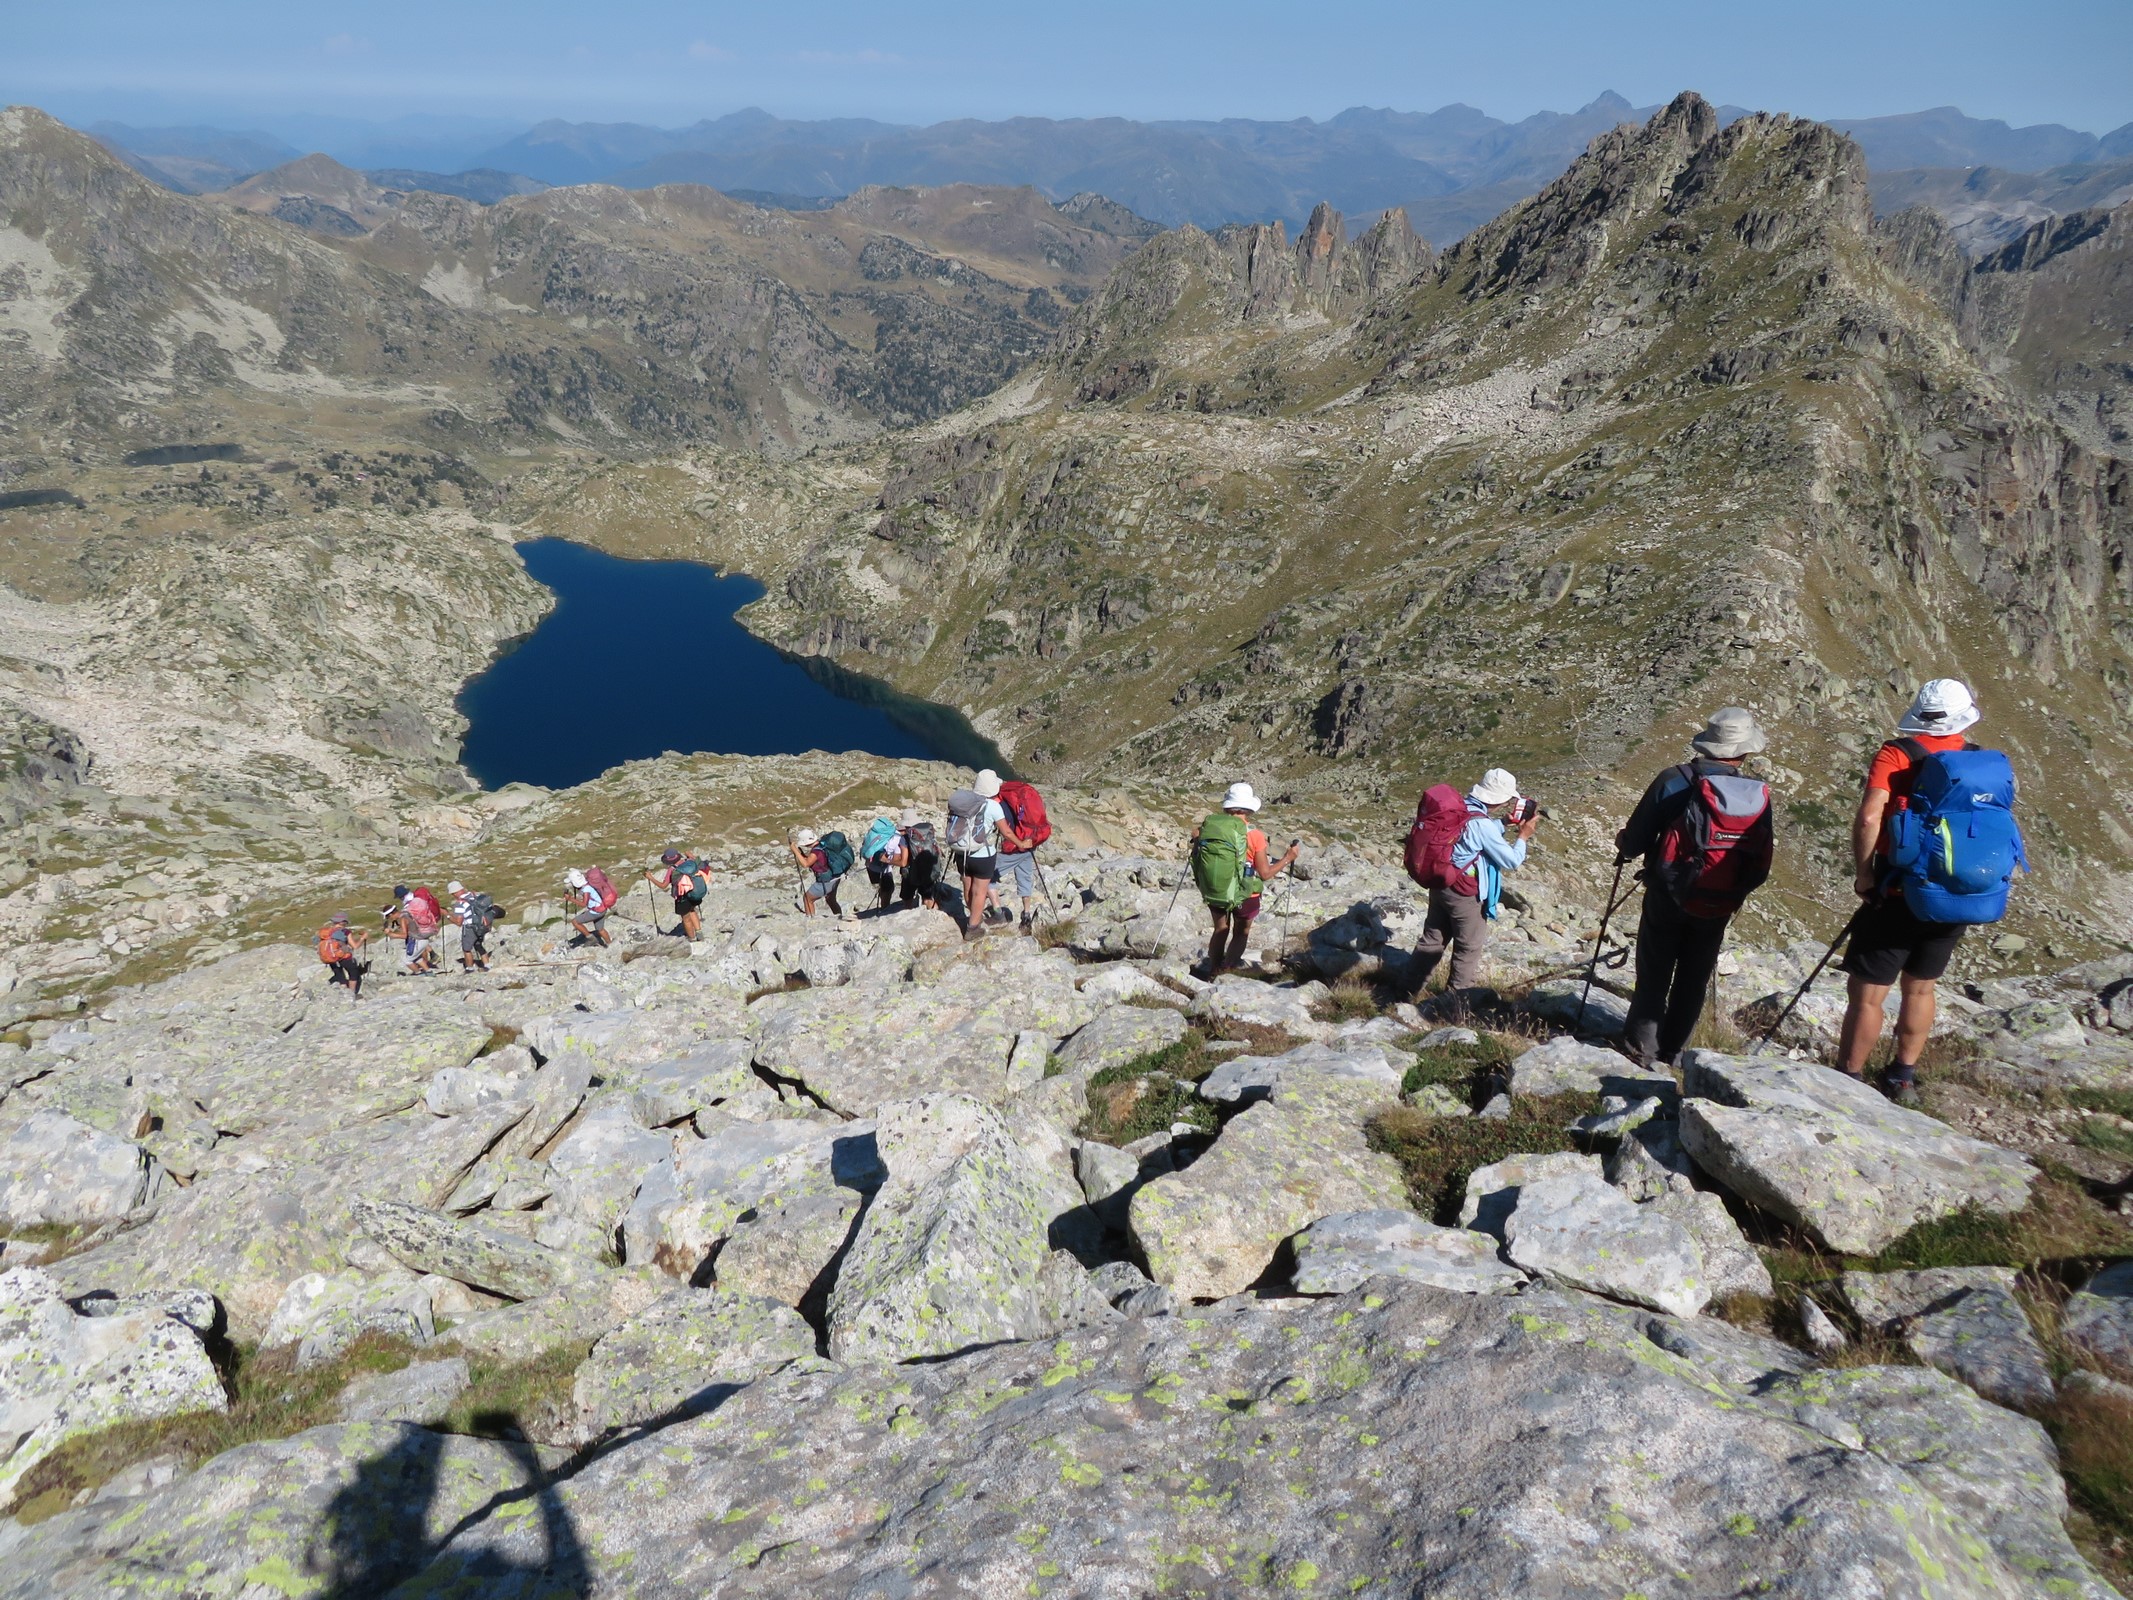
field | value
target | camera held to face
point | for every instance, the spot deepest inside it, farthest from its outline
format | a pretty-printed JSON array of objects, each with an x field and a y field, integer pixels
[{"x": 1525, "y": 807}]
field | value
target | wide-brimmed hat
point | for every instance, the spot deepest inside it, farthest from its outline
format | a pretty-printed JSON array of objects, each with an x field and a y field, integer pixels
[
  {"x": 1240, "y": 797},
  {"x": 670, "y": 856},
  {"x": 1942, "y": 706},
  {"x": 987, "y": 784},
  {"x": 803, "y": 837},
  {"x": 1495, "y": 788},
  {"x": 1731, "y": 733}
]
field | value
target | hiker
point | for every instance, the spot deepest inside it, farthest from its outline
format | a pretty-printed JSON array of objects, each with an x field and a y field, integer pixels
[
  {"x": 885, "y": 852},
  {"x": 1468, "y": 855},
  {"x": 922, "y": 861},
  {"x": 1704, "y": 831},
  {"x": 1231, "y": 870},
  {"x": 338, "y": 944},
  {"x": 476, "y": 914},
  {"x": 688, "y": 880},
  {"x": 975, "y": 821},
  {"x": 423, "y": 916},
  {"x": 596, "y": 896},
  {"x": 1934, "y": 846},
  {"x": 1026, "y": 826},
  {"x": 825, "y": 858}
]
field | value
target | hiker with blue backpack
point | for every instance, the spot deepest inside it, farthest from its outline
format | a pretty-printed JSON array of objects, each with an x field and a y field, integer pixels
[
  {"x": 1935, "y": 844},
  {"x": 825, "y": 859},
  {"x": 1704, "y": 831},
  {"x": 1231, "y": 869},
  {"x": 885, "y": 852}
]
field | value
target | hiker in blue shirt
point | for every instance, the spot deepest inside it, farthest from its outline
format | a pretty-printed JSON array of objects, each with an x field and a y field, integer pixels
[{"x": 1458, "y": 917}]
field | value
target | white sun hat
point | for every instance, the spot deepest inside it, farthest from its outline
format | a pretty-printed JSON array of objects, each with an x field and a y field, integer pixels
[
  {"x": 1942, "y": 706},
  {"x": 1240, "y": 797},
  {"x": 987, "y": 784},
  {"x": 804, "y": 838},
  {"x": 455, "y": 887},
  {"x": 574, "y": 878},
  {"x": 1496, "y": 787}
]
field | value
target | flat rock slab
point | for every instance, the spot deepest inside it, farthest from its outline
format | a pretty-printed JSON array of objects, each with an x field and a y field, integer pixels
[
  {"x": 1966, "y": 1321},
  {"x": 1730, "y": 1263},
  {"x": 1558, "y": 1002},
  {"x": 1242, "y": 1080},
  {"x": 1492, "y": 1191},
  {"x": 1831, "y": 1155},
  {"x": 685, "y": 1353},
  {"x": 1563, "y": 1065},
  {"x": 1119, "y": 1035},
  {"x": 686, "y": 1204},
  {"x": 422, "y": 1393},
  {"x": 1262, "y": 1005},
  {"x": 2099, "y": 1317},
  {"x": 1278, "y": 1166},
  {"x": 1578, "y": 1230},
  {"x": 1117, "y": 982},
  {"x": 1343, "y": 1252},
  {"x": 56, "y": 1169},
  {"x": 957, "y": 1035},
  {"x": 62, "y": 1375},
  {"x": 1534, "y": 1444},
  {"x": 349, "y": 1509},
  {"x": 469, "y": 1252}
]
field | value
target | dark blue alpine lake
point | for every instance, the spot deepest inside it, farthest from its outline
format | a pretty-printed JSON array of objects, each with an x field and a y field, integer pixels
[{"x": 640, "y": 657}]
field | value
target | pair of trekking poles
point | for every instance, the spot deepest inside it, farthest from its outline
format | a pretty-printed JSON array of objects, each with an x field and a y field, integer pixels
[
  {"x": 1281, "y": 906},
  {"x": 1617, "y": 896}
]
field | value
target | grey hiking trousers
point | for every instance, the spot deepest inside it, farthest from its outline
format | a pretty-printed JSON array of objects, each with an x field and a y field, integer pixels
[{"x": 1456, "y": 920}]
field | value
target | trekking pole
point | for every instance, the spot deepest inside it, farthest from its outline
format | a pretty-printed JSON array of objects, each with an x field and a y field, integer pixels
[
  {"x": 1050, "y": 904},
  {"x": 1800, "y": 993},
  {"x": 1599, "y": 939},
  {"x": 1162, "y": 928},
  {"x": 651, "y": 895}
]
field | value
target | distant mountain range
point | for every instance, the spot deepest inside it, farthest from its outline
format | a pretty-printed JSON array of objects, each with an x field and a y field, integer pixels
[{"x": 1452, "y": 169}]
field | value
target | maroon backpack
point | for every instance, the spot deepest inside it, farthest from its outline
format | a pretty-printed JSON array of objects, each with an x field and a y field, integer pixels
[
  {"x": 1717, "y": 852},
  {"x": 1439, "y": 820}
]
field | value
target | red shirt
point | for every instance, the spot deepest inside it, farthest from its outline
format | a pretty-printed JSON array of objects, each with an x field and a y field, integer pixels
[{"x": 1892, "y": 773}]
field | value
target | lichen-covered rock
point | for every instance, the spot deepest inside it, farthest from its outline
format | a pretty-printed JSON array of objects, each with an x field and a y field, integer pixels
[
  {"x": 1280, "y": 1165},
  {"x": 596, "y": 1169},
  {"x": 559, "y": 1088},
  {"x": 1263, "y": 1005},
  {"x": 954, "y": 1251},
  {"x": 345, "y": 1510},
  {"x": 1730, "y": 1263},
  {"x": 1244, "y": 1079},
  {"x": 1563, "y": 1065},
  {"x": 422, "y": 1392},
  {"x": 689, "y": 1202},
  {"x": 1119, "y": 1035},
  {"x": 458, "y": 1089},
  {"x": 957, "y": 1035},
  {"x": 685, "y": 1353},
  {"x": 1344, "y": 1251},
  {"x": 2099, "y": 1316},
  {"x": 62, "y": 1374},
  {"x": 1558, "y": 1002},
  {"x": 1534, "y": 1444},
  {"x": 571, "y": 1317},
  {"x": 55, "y": 1169},
  {"x": 322, "y": 1315},
  {"x": 1576, "y": 1229},
  {"x": 783, "y": 1251},
  {"x": 1117, "y": 982},
  {"x": 1966, "y": 1321},
  {"x": 1492, "y": 1191},
  {"x": 1830, "y": 1154},
  {"x": 487, "y": 1258}
]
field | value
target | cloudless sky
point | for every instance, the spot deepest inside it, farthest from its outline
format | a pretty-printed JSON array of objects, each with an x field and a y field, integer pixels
[{"x": 247, "y": 62}]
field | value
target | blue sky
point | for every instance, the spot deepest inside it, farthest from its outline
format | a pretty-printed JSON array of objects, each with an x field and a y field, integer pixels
[{"x": 244, "y": 62}]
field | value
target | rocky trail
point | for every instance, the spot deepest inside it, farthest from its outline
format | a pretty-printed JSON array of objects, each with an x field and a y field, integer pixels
[{"x": 847, "y": 1257}]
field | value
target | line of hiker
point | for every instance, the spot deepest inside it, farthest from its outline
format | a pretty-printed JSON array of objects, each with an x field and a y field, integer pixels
[
  {"x": 415, "y": 918},
  {"x": 1934, "y": 848}
]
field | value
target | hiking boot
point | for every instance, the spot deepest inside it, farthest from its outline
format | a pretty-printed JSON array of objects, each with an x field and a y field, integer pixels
[
  {"x": 1900, "y": 1084},
  {"x": 972, "y": 934},
  {"x": 1029, "y": 921}
]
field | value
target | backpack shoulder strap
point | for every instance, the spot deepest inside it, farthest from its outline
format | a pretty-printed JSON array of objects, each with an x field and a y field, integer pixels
[{"x": 1910, "y": 747}]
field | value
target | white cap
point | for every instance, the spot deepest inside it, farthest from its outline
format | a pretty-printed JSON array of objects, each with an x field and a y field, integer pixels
[
  {"x": 1942, "y": 706},
  {"x": 1241, "y": 797},
  {"x": 455, "y": 887},
  {"x": 1496, "y": 787},
  {"x": 987, "y": 784},
  {"x": 574, "y": 878}
]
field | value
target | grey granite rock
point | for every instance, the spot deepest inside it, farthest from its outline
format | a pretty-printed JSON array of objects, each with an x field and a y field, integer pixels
[
  {"x": 1966, "y": 1321},
  {"x": 1342, "y": 1252},
  {"x": 54, "y": 1169},
  {"x": 1576, "y": 1229},
  {"x": 1118, "y": 1035},
  {"x": 1492, "y": 1191},
  {"x": 422, "y": 1392},
  {"x": 684, "y": 1354}
]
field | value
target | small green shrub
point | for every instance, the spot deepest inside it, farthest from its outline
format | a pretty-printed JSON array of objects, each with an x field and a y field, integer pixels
[
  {"x": 1438, "y": 1153},
  {"x": 1457, "y": 1068},
  {"x": 1132, "y": 1099},
  {"x": 1349, "y": 1000}
]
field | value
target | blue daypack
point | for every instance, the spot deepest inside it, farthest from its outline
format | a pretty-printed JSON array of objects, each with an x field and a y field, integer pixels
[
  {"x": 879, "y": 832},
  {"x": 1953, "y": 849}
]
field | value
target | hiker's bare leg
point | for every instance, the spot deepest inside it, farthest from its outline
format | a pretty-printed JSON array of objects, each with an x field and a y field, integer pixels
[
  {"x": 1218, "y": 941},
  {"x": 1863, "y": 1015},
  {"x": 975, "y": 891},
  {"x": 1914, "y": 1016},
  {"x": 1240, "y": 933}
]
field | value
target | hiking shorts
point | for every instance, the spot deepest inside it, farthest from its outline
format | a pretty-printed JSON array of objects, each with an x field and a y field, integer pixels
[
  {"x": 589, "y": 919},
  {"x": 1888, "y": 943},
  {"x": 982, "y": 868},
  {"x": 417, "y": 949},
  {"x": 1018, "y": 869},
  {"x": 826, "y": 884},
  {"x": 345, "y": 971},
  {"x": 686, "y": 903},
  {"x": 1246, "y": 910},
  {"x": 473, "y": 939}
]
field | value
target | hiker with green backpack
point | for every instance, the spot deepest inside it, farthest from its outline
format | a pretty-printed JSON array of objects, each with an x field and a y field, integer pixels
[{"x": 1231, "y": 870}]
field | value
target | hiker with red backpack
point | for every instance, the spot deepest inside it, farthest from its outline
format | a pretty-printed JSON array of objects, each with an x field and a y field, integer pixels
[
  {"x": 423, "y": 914},
  {"x": 1704, "y": 831},
  {"x": 688, "y": 880},
  {"x": 1935, "y": 846},
  {"x": 338, "y": 948},
  {"x": 1458, "y": 850},
  {"x": 596, "y": 896},
  {"x": 1026, "y": 825}
]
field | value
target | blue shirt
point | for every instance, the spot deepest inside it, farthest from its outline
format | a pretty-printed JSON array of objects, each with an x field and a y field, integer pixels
[{"x": 1483, "y": 849}]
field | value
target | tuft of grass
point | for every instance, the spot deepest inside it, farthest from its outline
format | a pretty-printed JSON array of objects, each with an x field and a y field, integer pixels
[
  {"x": 61, "y": 1239},
  {"x": 2094, "y": 1433},
  {"x": 2110, "y": 1135},
  {"x": 1132, "y": 1099},
  {"x": 1052, "y": 934},
  {"x": 1458, "y": 1068},
  {"x": 1438, "y": 1153},
  {"x": 511, "y": 1399},
  {"x": 1349, "y": 1000}
]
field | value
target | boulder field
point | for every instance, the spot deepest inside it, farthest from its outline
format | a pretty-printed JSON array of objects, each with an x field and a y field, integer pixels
[{"x": 865, "y": 1261}]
